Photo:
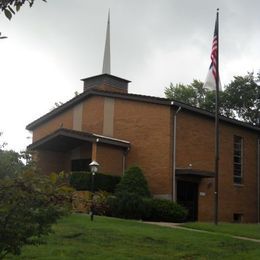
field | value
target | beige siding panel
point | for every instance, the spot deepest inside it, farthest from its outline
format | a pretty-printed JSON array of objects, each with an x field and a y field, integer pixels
[
  {"x": 77, "y": 117},
  {"x": 108, "y": 126}
]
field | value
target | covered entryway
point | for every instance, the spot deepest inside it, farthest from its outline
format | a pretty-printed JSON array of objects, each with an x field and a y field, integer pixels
[
  {"x": 188, "y": 181},
  {"x": 70, "y": 150}
]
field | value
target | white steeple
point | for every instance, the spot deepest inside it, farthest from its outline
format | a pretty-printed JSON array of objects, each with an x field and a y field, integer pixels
[{"x": 107, "y": 61}]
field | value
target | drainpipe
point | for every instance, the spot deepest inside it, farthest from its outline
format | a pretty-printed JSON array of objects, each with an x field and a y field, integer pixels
[
  {"x": 174, "y": 155},
  {"x": 124, "y": 160}
]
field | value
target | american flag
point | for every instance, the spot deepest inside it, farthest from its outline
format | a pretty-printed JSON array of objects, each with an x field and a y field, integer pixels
[
  {"x": 214, "y": 52},
  {"x": 211, "y": 79}
]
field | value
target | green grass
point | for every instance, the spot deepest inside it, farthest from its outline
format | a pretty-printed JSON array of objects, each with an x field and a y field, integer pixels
[
  {"x": 76, "y": 237},
  {"x": 244, "y": 230}
]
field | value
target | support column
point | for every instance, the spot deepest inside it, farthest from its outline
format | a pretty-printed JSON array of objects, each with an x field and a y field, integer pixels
[{"x": 94, "y": 152}]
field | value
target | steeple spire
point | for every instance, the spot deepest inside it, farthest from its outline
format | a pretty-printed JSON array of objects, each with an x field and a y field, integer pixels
[{"x": 107, "y": 61}]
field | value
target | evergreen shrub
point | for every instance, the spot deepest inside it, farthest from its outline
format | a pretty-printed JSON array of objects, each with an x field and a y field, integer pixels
[
  {"x": 134, "y": 181},
  {"x": 165, "y": 210},
  {"x": 128, "y": 205},
  {"x": 104, "y": 182}
]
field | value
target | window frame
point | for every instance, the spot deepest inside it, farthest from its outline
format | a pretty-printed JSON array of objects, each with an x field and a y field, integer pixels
[{"x": 238, "y": 160}]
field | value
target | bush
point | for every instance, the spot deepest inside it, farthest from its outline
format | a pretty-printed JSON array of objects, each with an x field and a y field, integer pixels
[
  {"x": 101, "y": 205},
  {"x": 127, "y": 205},
  {"x": 82, "y": 181},
  {"x": 165, "y": 210},
  {"x": 134, "y": 181}
]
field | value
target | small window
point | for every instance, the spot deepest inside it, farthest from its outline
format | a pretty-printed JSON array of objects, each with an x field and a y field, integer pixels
[
  {"x": 238, "y": 160},
  {"x": 237, "y": 217}
]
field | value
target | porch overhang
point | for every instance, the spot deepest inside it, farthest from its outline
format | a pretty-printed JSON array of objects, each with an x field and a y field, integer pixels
[
  {"x": 194, "y": 173},
  {"x": 63, "y": 140}
]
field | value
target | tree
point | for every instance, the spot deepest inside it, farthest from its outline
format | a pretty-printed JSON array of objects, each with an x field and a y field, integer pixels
[
  {"x": 29, "y": 205},
  {"x": 239, "y": 100},
  {"x": 8, "y": 6},
  {"x": 193, "y": 94},
  {"x": 10, "y": 164},
  {"x": 243, "y": 97}
]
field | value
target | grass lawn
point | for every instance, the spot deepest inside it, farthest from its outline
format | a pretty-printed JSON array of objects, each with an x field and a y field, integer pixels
[
  {"x": 76, "y": 237},
  {"x": 244, "y": 230}
]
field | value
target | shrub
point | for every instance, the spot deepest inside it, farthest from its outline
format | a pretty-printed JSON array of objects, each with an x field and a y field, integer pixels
[
  {"x": 127, "y": 205},
  {"x": 134, "y": 181},
  {"x": 165, "y": 210},
  {"x": 101, "y": 205},
  {"x": 82, "y": 181}
]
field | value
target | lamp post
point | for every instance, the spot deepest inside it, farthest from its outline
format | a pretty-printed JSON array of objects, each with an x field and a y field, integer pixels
[{"x": 94, "y": 169}]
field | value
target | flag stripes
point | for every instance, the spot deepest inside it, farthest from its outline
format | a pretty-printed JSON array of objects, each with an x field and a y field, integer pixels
[{"x": 214, "y": 52}]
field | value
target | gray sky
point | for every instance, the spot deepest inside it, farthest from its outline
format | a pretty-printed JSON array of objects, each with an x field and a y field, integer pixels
[{"x": 53, "y": 45}]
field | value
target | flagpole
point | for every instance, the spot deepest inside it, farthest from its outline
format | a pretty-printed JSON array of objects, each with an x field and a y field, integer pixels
[{"x": 217, "y": 129}]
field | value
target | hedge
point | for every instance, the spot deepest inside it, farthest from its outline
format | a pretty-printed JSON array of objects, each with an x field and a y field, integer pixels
[
  {"x": 82, "y": 181},
  {"x": 165, "y": 210},
  {"x": 132, "y": 206},
  {"x": 127, "y": 205}
]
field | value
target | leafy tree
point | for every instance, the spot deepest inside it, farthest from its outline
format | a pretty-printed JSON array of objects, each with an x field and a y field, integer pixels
[
  {"x": 10, "y": 164},
  {"x": 240, "y": 99},
  {"x": 8, "y": 6},
  {"x": 29, "y": 205},
  {"x": 193, "y": 94},
  {"x": 244, "y": 97}
]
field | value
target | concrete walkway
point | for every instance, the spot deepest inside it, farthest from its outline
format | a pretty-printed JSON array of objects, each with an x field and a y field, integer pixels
[{"x": 178, "y": 226}]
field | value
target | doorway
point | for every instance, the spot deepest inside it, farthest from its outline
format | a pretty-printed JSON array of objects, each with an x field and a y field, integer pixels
[
  {"x": 80, "y": 165},
  {"x": 187, "y": 196}
]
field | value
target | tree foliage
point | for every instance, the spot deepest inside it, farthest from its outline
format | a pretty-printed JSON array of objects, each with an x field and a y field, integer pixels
[
  {"x": 10, "y": 164},
  {"x": 9, "y": 7},
  {"x": 240, "y": 99},
  {"x": 244, "y": 97},
  {"x": 29, "y": 205}
]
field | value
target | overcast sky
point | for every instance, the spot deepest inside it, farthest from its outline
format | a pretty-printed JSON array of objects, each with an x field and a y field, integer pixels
[{"x": 53, "y": 45}]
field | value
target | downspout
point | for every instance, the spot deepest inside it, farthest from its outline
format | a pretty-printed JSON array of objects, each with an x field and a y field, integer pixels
[
  {"x": 124, "y": 160},
  {"x": 174, "y": 154}
]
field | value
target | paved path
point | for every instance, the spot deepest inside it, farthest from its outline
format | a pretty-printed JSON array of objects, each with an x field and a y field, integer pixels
[{"x": 178, "y": 226}]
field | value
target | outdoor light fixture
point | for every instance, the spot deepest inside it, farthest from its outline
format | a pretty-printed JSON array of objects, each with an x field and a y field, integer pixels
[{"x": 94, "y": 169}]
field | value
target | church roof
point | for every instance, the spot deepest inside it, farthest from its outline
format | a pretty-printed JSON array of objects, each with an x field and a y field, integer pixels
[{"x": 135, "y": 97}]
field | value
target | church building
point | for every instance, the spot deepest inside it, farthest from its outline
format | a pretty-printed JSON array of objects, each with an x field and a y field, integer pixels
[{"x": 172, "y": 142}]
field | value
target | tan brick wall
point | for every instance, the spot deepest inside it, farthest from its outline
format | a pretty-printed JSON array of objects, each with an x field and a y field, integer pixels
[
  {"x": 64, "y": 120},
  {"x": 110, "y": 159},
  {"x": 195, "y": 145},
  {"x": 147, "y": 127},
  {"x": 49, "y": 161},
  {"x": 93, "y": 113},
  {"x": 109, "y": 88}
]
